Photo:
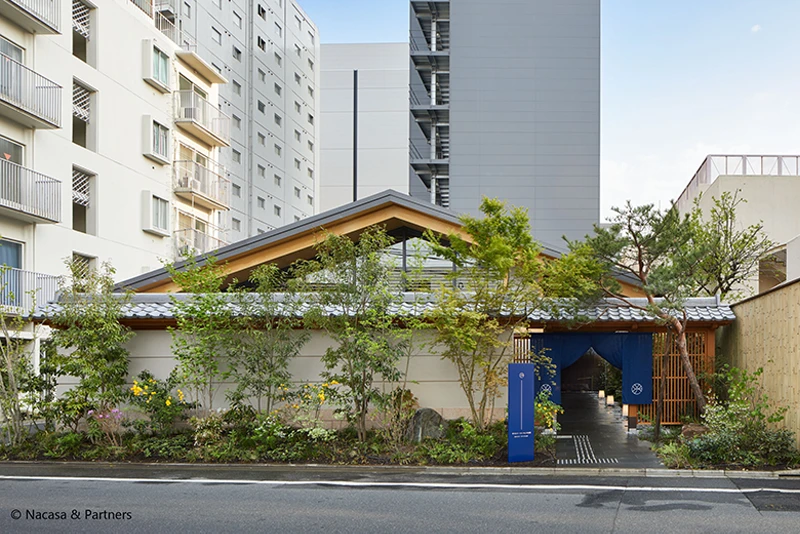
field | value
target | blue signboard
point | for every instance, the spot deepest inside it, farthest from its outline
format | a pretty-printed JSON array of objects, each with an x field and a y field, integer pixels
[{"x": 520, "y": 412}]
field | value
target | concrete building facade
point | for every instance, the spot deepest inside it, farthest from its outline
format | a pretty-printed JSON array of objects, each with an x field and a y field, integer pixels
[
  {"x": 269, "y": 50},
  {"x": 363, "y": 90},
  {"x": 505, "y": 102},
  {"x": 109, "y": 138}
]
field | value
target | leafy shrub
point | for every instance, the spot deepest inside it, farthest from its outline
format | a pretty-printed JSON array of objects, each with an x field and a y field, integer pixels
[
  {"x": 155, "y": 398},
  {"x": 174, "y": 447},
  {"x": 676, "y": 455}
]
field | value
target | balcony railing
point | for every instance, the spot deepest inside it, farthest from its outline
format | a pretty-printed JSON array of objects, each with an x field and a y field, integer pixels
[
  {"x": 21, "y": 290},
  {"x": 180, "y": 38},
  {"x": 45, "y": 14},
  {"x": 201, "y": 118},
  {"x": 737, "y": 165},
  {"x": 144, "y": 5},
  {"x": 30, "y": 93},
  {"x": 28, "y": 193},
  {"x": 189, "y": 241},
  {"x": 205, "y": 185}
]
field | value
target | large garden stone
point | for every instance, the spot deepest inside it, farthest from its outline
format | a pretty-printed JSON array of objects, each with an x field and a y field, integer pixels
[
  {"x": 426, "y": 423},
  {"x": 692, "y": 430}
]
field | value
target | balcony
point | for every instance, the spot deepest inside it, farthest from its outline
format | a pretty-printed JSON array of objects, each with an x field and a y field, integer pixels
[
  {"x": 202, "y": 185},
  {"x": 21, "y": 290},
  {"x": 27, "y": 195},
  {"x": 195, "y": 115},
  {"x": 169, "y": 8},
  {"x": 190, "y": 241},
  {"x": 27, "y": 97},
  {"x": 35, "y": 16},
  {"x": 188, "y": 51}
]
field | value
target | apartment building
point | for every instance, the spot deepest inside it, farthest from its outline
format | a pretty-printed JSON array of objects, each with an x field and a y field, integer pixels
[
  {"x": 268, "y": 50},
  {"x": 505, "y": 102},
  {"x": 110, "y": 137}
]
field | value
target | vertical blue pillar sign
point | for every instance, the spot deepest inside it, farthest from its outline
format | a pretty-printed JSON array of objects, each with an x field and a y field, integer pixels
[{"x": 520, "y": 412}]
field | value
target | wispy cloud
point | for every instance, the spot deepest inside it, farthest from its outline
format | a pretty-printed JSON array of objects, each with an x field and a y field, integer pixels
[{"x": 756, "y": 28}]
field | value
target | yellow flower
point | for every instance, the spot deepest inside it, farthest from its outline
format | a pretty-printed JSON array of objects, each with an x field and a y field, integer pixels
[
  {"x": 334, "y": 383},
  {"x": 168, "y": 401},
  {"x": 180, "y": 395},
  {"x": 152, "y": 380},
  {"x": 145, "y": 387},
  {"x": 325, "y": 385},
  {"x": 295, "y": 406}
]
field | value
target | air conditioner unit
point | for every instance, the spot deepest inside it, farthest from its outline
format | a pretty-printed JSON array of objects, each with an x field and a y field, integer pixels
[{"x": 192, "y": 113}]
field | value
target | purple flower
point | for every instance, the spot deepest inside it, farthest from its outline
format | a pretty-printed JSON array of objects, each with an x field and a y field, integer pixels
[{"x": 90, "y": 412}]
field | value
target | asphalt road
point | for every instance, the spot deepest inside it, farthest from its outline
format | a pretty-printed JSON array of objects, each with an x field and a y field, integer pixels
[{"x": 138, "y": 499}]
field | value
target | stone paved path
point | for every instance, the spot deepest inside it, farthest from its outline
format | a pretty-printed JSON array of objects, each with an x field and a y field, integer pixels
[{"x": 593, "y": 435}]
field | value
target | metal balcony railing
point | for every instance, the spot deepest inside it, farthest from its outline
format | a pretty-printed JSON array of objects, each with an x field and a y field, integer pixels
[
  {"x": 29, "y": 192},
  {"x": 29, "y": 91},
  {"x": 182, "y": 39},
  {"x": 45, "y": 11},
  {"x": 190, "y": 106},
  {"x": 204, "y": 181},
  {"x": 189, "y": 241},
  {"x": 21, "y": 290},
  {"x": 144, "y": 5},
  {"x": 169, "y": 7},
  {"x": 737, "y": 165}
]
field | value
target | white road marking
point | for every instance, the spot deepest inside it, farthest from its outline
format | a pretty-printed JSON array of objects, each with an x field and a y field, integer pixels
[{"x": 423, "y": 485}]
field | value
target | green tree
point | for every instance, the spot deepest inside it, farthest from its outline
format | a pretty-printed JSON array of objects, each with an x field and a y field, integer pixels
[
  {"x": 269, "y": 334},
  {"x": 673, "y": 257},
  {"x": 499, "y": 279},
  {"x": 91, "y": 342},
  {"x": 349, "y": 289},
  {"x": 202, "y": 337}
]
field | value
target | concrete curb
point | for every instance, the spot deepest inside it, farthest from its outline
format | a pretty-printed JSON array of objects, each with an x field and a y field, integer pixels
[{"x": 445, "y": 470}]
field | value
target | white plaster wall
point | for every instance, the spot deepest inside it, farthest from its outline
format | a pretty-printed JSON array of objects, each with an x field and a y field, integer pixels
[{"x": 793, "y": 259}]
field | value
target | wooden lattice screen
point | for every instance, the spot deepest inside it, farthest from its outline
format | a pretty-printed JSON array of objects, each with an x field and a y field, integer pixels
[{"x": 679, "y": 401}]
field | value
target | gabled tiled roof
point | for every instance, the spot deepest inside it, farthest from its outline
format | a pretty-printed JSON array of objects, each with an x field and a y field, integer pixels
[{"x": 707, "y": 310}]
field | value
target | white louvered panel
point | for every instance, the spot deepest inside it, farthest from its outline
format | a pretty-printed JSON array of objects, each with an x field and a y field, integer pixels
[
  {"x": 80, "y": 18},
  {"x": 82, "y": 266},
  {"x": 81, "y": 102},
  {"x": 80, "y": 188}
]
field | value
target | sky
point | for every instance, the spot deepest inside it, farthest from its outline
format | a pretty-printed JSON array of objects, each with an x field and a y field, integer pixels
[{"x": 680, "y": 80}]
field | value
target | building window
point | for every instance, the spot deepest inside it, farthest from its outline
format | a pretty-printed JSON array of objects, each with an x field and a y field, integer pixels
[
  {"x": 81, "y": 201},
  {"x": 296, "y": 218},
  {"x": 278, "y": 89},
  {"x": 297, "y": 135},
  {"x": 160, "y": 66},
  {"x": 262, "y": 171},
  {"x": 296, "y": 78},
  {"x": 237, "y": 54},
  {"x": 261, "y": 106},
  {"x": 277, "y": 210},
  {"x": 81, "y": 30},
  {"x": 278, "y": 119},
  {"x": 236, "y": 156},
  {"x": 311, "y": 146},
  {"x": 297, "y": 106},
  {"x": 262, "y": 139},
  {"x": 310, "y": 64},
  {"x": 310, "y": 91},
  {"x": 187, "y": 10},
  {"x": 311, "y": 37},
  {"x": 311, "y": 173},
  {"x": 310, "y": 200},
  {"x": 278, "y": 30},
  {"x": 278, "y": 150},
  {"x": 278, "y": 59},
  {"x": 296, "y": 163},
  {"x": 82, "y": 266},
  {"x": 297, "y": 192},
  {"x": 236, "y": 224},
  {"x": 299, "y": 22},
  {"x": 262, "y": 44},
  {"x": 310, "y": 118},
  {"x": 160, "y": 140},
  {"x": 236, "y": 190},
  {"x": 262, "y": 12},
  {"x": 237, "y": 87},
  {"x": 237, "y": 122},
  {"x": 216, "y": 35},
  {"x": 261, "y": 203},
  {"x": 277, "y": 180},
  {"x": 82, "y": 125},
  {"x": 262, "y": 76},
  {"x": 237, "y": 19},
  {"x": 160, "y": 214},
  {"x": 297, "y": 50}
]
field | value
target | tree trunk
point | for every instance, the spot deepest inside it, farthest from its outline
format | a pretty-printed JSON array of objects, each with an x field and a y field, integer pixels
[
  {"x": 662, "y": 387},
  {"x": 687, "y": 367}
]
